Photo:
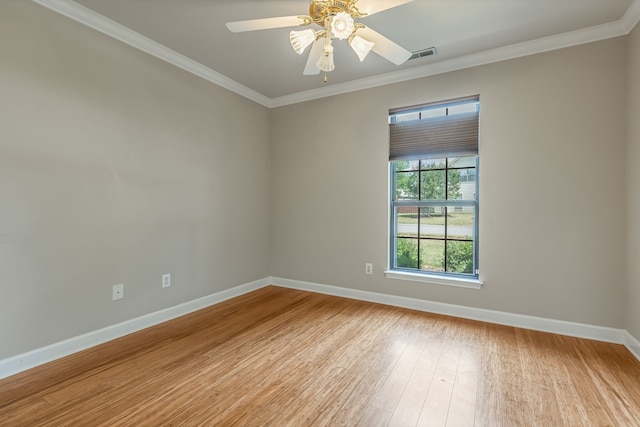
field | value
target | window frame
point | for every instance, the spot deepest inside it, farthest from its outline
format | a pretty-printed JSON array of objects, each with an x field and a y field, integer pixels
[
  {"x": 468, "y": 280},
  {"x": 448, "y": 203}
]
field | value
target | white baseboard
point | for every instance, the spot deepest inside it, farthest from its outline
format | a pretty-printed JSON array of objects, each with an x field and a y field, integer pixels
[
  {"x": 580, "y": 330},
  {"x": 632, "y": 344},
  {"x": 31, "y": 359}
]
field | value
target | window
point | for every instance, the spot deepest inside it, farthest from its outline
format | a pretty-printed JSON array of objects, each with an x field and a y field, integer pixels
[{"x": 434, "y": 189}]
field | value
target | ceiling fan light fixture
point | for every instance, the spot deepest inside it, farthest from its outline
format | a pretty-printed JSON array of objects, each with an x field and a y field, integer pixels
[
  {"x": 361, "y": 46},
  {"x": 342, "y": 25},
  {"x": 336, "y": 19},
  {"x": 301, "y": 39},
  {"x": 325, "y": 63}
]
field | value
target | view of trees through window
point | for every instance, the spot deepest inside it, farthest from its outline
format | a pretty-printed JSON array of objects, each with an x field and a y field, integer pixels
[{"x": 434, "y": 209}]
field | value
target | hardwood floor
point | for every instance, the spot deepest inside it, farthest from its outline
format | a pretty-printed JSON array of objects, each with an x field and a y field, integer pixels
[{"x": 284, "y": 357}]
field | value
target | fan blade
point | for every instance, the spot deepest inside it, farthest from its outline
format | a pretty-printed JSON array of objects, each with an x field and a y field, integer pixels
[
  {"x": 385, "y": 47},
  {"x": 374, "y": 6},
  {"x": 314, "y": 54},
  {"x": 264, "y": 24}
]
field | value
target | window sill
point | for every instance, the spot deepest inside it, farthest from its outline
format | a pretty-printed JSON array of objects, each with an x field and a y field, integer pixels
[{"x": 437, "y": 280}]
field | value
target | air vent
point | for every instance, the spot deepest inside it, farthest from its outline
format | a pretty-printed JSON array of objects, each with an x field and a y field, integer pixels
[{"x": 422, "y": 53}]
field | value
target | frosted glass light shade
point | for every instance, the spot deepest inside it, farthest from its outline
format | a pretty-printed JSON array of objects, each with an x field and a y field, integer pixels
[
  {"x": 361, "y": 47},
  {"x": 325, "y": 63},
  {"x": 342, "y": 25},
  {"x": 301, "y": 39}
]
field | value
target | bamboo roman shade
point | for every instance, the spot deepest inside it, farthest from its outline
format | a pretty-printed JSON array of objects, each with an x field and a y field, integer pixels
[{"x": 443, "y": 129}]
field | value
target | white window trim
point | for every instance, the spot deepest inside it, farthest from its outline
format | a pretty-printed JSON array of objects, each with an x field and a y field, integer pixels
[{"x": 460, "y": 282}]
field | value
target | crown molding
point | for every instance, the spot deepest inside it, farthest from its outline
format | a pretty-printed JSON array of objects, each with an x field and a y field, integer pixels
[
  {"x": 111, "y": 28},
  {"x": 546, "y": 44},
  {"x": 632, "y": 16}
]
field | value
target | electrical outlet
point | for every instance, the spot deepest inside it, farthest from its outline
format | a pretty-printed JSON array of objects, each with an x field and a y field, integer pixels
[
  {"x": 118, "y": 291},
  {"x": 368, "y": 268},
  {"x": 166, "y": 280}
]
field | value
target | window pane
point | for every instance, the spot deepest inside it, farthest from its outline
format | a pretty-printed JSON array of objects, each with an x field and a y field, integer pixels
[
  {"x": 460, "y": 222},
  {"x": 460, "y": 257},
  {"x": 406, "y": 165},
  {"x": 407, "y": 185},
  {"x": 453, "y": 185},
  {"x": 468, "y": 190},
  {"x": 432, "y": 255},
  {"x": 407, "y": 253},
  {"x": 470, "y": 107},
  {"x": 432, "y": 222},
  {"x": 432, "y": 185},
  {"x": 462, "y": 162},
  {"x": 407, "y": 117},
  {"x": 467, "y": 175},
  {"x": 434, "y": 112},
  {"x": 433, "y": 164},
  {"x": 407, "y": 221}
]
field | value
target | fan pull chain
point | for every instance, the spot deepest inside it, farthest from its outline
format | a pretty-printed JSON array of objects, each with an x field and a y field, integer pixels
[{"x": 325, "y": 76}]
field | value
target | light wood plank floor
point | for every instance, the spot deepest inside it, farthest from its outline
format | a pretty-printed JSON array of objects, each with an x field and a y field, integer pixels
[{"x": 284, "y": 357}]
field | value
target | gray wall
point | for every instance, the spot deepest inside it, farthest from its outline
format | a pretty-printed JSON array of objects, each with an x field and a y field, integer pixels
[
  {"x": 633, "y": 189},
  {"x": 552, "y": 212},
  {"x": 116, "y": 167}
]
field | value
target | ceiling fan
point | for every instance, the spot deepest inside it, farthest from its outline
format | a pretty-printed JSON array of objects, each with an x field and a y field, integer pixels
[{"x": 336, "y": 19}]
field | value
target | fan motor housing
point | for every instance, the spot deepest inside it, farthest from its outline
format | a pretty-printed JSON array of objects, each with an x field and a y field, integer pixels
[{"x": 319, "y": 10}]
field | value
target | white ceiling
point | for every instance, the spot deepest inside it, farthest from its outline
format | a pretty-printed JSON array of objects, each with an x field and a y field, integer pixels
[{"x": 262, "y": 66}]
